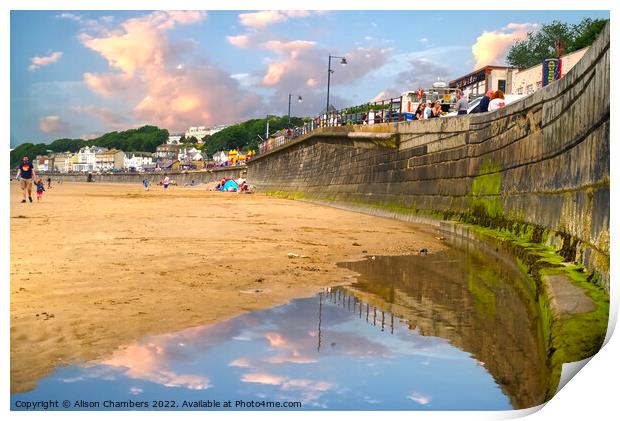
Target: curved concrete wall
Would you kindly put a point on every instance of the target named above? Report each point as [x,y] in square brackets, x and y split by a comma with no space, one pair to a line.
[543,160]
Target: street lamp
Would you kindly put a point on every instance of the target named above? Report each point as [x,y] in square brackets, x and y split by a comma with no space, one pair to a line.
[329,74]
[299,99]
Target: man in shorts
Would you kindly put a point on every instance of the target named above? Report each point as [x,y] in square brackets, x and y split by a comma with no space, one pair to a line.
[25,175]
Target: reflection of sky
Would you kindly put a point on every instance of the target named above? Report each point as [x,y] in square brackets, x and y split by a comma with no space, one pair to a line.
[273,355]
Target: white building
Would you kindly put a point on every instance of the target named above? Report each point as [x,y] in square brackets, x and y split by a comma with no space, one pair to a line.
[174,139]
[527,81]
[202,131]
[190,154]
[138,160]
[87,159]
[62,162]
[41,163]
[220,157]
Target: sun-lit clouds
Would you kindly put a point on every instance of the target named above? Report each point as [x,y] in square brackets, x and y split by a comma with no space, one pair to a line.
[419,398]
[239,41]
[52,124]
[110,84]
[240,362]
[262,378]
[300,66]
[99,25]
[261,19]
[106,115]
[265,18]
[139,42]
[491,47]
[38,62]
[150,362]
[145,72]
[309,390]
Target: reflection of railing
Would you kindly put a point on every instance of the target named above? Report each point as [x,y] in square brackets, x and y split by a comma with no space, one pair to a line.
[384,111]
[372,314]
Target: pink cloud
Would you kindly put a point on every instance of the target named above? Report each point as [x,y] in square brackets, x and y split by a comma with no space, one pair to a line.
[38,62]
[491,47]
[107,115]
[259,20]
[150,362]
[262,378]
[419,398]
[239,41]
[239,362]
[109,84]
[52,124]
[165,83]
[262,18]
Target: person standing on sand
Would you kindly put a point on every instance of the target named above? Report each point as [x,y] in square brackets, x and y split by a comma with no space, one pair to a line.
[145,182]
[49,182]
[166,182]
[40,190]
[25,175]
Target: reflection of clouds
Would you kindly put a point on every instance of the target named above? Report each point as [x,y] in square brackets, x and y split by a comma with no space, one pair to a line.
[419,398]
[148,362]
[309,390]
[262,378]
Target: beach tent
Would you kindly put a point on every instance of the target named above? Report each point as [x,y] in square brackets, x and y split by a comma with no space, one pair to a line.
[230,185]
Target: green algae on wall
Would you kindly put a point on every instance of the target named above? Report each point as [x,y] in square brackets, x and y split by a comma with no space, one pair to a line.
[485,197]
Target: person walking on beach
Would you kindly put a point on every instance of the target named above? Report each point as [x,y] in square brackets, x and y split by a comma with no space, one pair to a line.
[145,183]
[25,175]
[40,190]
[49,182]
[166,181]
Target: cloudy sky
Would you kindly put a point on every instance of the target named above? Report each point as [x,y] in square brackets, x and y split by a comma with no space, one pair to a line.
[80,74]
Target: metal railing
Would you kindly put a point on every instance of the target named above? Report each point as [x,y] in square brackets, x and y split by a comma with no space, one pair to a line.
[384,111]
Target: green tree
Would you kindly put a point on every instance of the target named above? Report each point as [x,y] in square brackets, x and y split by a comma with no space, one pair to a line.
[143,139]
[546,42]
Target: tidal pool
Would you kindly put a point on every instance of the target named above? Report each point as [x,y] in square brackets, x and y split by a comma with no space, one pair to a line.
[448,331]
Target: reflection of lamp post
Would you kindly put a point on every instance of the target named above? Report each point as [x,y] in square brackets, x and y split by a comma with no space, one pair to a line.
[299,99]
[329,74]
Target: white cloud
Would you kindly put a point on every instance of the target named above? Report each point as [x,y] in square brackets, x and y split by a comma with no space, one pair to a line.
[52,124]
[491,47]
[38,62]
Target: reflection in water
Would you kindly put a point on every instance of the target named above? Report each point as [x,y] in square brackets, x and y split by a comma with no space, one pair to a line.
[472,297]
[445,332]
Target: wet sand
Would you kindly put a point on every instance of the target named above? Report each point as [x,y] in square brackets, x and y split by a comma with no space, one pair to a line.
[96,266]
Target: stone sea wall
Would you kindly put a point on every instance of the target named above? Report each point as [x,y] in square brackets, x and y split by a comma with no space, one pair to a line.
[181,177]
[543,161]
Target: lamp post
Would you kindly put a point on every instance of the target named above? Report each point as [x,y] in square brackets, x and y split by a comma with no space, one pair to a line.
[299,99]
[343,61]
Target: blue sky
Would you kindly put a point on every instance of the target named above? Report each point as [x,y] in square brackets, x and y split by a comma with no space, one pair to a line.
[82,73]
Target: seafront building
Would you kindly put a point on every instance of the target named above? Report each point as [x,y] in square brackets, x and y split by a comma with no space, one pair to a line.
[220,157]
[138,161]
[511,80]
[190,154]
[201,131]
[109,160]
[174,139]
[42,163]
[167,151]
[527,81]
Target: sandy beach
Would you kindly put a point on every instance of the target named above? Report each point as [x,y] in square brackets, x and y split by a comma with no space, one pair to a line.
[96,266]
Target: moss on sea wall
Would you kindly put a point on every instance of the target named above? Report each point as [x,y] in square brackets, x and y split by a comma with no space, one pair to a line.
[567,338]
